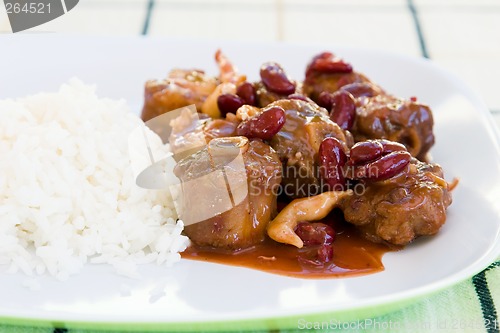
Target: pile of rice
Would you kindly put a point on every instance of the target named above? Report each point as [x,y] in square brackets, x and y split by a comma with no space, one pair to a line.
[67,191]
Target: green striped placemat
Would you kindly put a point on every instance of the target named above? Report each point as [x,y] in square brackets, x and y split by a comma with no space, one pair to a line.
[470,306]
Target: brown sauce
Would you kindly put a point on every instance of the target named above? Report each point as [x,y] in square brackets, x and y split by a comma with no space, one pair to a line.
[352,255]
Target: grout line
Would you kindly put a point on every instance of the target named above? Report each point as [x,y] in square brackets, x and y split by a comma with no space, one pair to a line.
[147,19]
[418,28]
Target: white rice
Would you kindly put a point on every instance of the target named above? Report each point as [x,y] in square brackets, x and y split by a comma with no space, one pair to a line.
[67,191]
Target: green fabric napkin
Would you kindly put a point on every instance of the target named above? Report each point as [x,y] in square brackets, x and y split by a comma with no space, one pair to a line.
[470,306]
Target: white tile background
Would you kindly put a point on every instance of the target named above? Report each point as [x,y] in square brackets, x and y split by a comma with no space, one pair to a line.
[461,35]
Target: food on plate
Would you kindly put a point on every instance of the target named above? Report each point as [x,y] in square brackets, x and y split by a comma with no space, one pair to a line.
[405,121]
[190,86]
[326,74]
[401,208]
[245,224]
[180,88]
[349,160]
[290,226]
[378,114]
[298,144]
[67,189]
[274,84]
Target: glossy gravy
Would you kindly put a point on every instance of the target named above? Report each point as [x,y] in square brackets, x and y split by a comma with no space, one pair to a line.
[352,255]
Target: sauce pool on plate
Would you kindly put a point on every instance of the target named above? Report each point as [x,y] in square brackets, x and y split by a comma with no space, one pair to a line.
[352,255]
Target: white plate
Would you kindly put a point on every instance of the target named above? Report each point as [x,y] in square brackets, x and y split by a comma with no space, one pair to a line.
[211,296]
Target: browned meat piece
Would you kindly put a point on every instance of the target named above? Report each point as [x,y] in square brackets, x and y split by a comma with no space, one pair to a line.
[180,88]
[191,131]
[401,208]
[403,121]
[316,83]
[219,128]
[245,224]
[297,145]
[378,115]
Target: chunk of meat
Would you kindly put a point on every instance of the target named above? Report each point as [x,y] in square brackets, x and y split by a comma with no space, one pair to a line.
[219,128]
[181,88]
[298,142]
[403,121]
[378,114]
[184,87]
[402,208]
[191,131]
[316,83]
[245,224]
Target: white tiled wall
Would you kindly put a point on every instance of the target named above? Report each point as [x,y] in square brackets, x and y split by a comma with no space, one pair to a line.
[461,35]
[390,29]
[239,20]
[468,44]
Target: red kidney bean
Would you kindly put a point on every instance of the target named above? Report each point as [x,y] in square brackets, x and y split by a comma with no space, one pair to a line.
[325,253]
[413,99]
[343,110]
[229,103]
[358,89]
[274,78]
[317,256]
[365,151]
[264,125]
[390,146]
[344,80]
[326,62]
[332,66]
[383,168]
[315,233]
[310,65]
[325,99]
[332,158]
[247,92]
